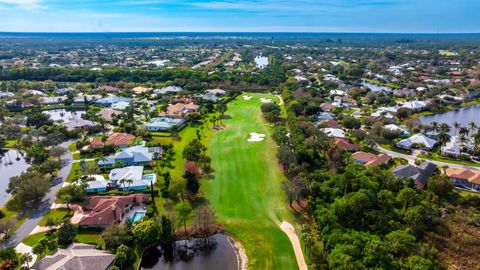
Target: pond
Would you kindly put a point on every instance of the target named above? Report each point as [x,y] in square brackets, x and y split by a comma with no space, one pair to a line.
[261,61]
[62,114]
[376,87]
[463,116]
[12,164]
[213,253]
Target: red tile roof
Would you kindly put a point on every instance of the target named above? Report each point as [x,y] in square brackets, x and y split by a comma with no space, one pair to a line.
[344,144]
[370,159]
[472,176]
[115,138]
[105,211]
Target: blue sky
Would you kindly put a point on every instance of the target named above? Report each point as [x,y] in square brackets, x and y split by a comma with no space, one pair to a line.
[385,16]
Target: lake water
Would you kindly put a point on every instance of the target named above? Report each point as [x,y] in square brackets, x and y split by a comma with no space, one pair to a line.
[463,116]
[10,166]
[62,114]
[376,87]
[215,254]
[261,61]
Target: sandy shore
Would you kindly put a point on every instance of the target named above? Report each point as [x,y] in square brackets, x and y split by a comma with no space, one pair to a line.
[242,258]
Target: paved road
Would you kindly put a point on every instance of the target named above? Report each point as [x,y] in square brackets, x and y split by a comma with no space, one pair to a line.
[42,209]
[411,159]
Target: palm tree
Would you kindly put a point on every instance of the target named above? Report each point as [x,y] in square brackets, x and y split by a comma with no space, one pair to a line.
[25,259]
[435,127]
[463,139]
[473,127]
[445,128]
[444,137]
[456,125]
[464,131]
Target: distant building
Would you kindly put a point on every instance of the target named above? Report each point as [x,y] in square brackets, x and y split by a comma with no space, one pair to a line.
[108,114]
[168,89]
[4,95]
[106,88]
[111,100]
[64,91]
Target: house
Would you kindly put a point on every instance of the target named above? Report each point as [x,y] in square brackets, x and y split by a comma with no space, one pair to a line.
[132,173]
[140,90]
[417,139]
[116,138]
[120,105]
[82,98]
[76,257]
[330,124]
[105,211]
[165,124]
[168,89]
[64,91]
[324,116]
[135,155]
[402,130]
[111,100]
[181,108]
[218,92]
[464,178]
[79,123]
[452,148]
[346,145]
[327,107]
[99,184]
[108,114]
[419,174]
[415,105]
[210,97]
[344,101]
[4,95]
[106,88]
[333,132]
[52,100]
[403,92]
[369,159]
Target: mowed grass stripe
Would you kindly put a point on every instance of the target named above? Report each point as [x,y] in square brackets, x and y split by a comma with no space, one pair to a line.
[246,192]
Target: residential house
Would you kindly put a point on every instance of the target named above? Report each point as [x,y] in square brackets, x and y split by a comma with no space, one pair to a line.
[52,100]
[132,173]
[452,148]
[181,109]
[105,211]
[402,130]
[165,124]
[344,102]
[168,89]
[4,95]
[417,139]
[135,155]
[117,138]
[369,159]
[419,174]
[414,105]
[346,145]
[140,90]
[327,107]
[218,92]
[111,100]
[64,91]
[109,114]
[79,123]
[76,257]
[334,132]
[324,116]
[107,88]
[464,178]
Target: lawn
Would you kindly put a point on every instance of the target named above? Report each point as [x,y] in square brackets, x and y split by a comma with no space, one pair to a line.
[55,214]
[246,192]
[437,157]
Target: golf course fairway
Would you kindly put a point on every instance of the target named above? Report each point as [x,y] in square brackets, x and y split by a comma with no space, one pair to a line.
[246,191]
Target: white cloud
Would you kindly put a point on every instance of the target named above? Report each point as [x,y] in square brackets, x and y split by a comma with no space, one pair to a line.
[23,4]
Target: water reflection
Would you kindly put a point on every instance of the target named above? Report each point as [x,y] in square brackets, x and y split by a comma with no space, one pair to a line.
[212,253]
[463,116]
[12,163]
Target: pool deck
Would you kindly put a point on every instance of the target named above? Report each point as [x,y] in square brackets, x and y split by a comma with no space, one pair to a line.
[129,215]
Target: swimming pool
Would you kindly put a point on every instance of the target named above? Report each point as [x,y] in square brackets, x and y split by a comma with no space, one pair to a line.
[137,216]
[150,178]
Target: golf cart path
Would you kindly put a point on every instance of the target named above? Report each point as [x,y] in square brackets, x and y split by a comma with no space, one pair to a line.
[288,229]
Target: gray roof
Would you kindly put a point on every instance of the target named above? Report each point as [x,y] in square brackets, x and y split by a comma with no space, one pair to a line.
[419,174]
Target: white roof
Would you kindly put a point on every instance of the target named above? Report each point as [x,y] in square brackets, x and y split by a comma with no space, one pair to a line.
[334,132]
[418,139]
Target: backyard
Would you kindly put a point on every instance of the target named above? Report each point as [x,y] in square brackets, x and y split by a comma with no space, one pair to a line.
[246,192]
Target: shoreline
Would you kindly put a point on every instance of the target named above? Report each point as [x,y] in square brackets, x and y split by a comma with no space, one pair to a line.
[240,252]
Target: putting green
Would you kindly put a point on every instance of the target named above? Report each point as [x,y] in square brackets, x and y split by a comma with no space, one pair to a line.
[246,192]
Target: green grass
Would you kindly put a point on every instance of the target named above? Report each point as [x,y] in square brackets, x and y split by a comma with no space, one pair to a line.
[394,149]
[89,237]
[437,157]
[56,214]
[33,239]
[246,190]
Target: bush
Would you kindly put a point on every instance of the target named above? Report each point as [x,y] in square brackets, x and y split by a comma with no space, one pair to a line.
[150,211]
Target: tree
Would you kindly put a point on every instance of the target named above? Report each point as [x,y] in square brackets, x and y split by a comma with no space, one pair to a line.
[72,194]
[66,234]
[116,236]
[125,256]
[8,254]
[120,258]
[38,249]
[400,243]
[146,232]
[24,259]
[38,153]
[37,119]
[29,186]
[6,225]
[440,185]
[192,182]
[184,213]
[57,152]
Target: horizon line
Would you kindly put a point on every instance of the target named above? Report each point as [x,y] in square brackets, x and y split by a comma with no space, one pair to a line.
[236,32]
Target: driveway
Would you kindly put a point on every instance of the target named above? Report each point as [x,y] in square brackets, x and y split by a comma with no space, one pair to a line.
[43,207]
[411,158]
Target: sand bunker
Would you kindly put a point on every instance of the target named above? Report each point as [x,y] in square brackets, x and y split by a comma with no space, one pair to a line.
[256,137]
[247,97]
[265,100]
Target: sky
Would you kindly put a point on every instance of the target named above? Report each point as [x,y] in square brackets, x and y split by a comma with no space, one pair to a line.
[372,16]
